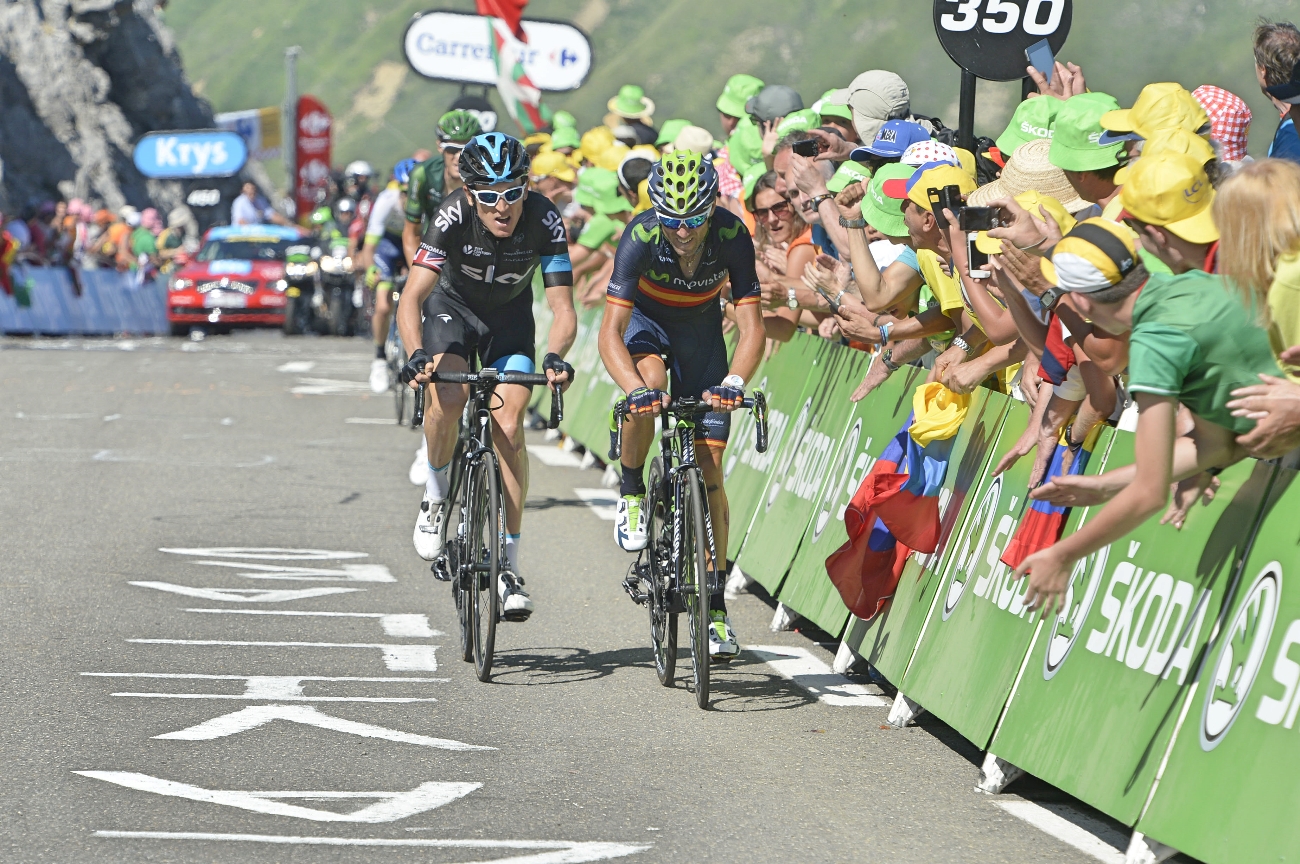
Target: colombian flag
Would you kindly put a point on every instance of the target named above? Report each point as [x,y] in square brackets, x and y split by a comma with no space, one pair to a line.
[1043,522]
[896,509]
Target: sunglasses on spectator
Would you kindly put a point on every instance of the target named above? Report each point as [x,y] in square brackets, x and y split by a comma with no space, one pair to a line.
[780,209]
[691,222]
[490,197]
[451,148]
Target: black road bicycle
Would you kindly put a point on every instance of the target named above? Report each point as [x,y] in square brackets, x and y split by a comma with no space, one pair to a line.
[473,559]
[675,573]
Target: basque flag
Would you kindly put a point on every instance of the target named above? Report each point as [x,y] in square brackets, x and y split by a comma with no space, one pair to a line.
[1044,523]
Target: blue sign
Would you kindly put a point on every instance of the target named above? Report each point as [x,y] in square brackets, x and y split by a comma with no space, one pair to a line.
[187,155]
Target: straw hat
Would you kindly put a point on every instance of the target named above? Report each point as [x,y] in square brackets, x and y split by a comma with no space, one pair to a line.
[1029,169]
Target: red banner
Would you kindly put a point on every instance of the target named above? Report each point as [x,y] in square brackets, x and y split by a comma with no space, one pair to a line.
[314,130]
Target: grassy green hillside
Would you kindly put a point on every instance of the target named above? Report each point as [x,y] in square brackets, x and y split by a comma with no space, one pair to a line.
[683,50]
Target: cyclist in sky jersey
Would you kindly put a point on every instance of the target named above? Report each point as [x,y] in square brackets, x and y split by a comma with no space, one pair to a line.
[470,292]
[664,312]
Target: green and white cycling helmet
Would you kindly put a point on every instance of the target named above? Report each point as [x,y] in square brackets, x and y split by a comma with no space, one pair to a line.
[458,125]
[683,184]
[321,215]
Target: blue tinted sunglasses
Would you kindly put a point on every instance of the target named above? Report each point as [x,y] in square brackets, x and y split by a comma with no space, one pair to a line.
[490,197]
[691,222]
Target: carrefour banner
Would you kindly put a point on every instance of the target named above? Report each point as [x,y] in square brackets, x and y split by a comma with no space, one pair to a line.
[455,46]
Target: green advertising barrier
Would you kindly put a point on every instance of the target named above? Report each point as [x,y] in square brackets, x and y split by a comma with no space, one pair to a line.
[863,436]
[797,471]
[543,318]
[585,400]
[783,377]
[889,639]
[1234,770]
[1096,706]
[978,632]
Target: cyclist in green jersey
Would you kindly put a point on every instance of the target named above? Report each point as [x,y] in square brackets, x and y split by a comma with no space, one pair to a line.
[437,177]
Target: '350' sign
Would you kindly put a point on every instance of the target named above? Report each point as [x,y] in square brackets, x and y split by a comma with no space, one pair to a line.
[989,37]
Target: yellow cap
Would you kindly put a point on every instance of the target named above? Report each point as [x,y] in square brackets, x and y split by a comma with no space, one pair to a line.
[1159,106]
[612,156]
[1096,254]
[595,141]
[967,160]
[539,138]
[552,164]
[937,178]
[1038,205]
[1177,141]
[1171,189]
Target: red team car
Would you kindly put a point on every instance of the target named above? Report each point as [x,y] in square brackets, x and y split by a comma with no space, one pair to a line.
[236,280]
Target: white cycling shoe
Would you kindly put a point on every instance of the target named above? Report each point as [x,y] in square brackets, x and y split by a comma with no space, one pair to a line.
[723,645]
[428,534]
[516,605]
[629,523]
[419,473]
[378,375]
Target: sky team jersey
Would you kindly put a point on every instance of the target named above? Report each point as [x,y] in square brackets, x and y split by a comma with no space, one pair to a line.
[485,271]
[647,274]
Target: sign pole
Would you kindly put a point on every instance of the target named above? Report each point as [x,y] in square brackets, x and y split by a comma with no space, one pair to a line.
[289,119]
[966,117]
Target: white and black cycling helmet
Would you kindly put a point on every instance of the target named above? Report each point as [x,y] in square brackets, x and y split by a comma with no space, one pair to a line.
[493,157]
[359,168]
[683,184]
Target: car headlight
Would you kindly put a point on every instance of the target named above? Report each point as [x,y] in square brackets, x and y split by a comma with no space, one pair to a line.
[279,285]
[182,284]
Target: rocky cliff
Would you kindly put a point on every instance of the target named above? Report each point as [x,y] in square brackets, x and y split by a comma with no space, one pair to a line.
[80,81]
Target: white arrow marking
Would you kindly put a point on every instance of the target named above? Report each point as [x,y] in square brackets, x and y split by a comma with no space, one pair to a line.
[391,806]
[398,658]
[411,626]
[281,688]
[245,595]
[349,573]
[564,852]
[299,366]
[266,553]
[800,666]
[259,715]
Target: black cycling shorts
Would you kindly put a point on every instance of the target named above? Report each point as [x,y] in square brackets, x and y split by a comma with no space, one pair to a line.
[694,352]
[450,327]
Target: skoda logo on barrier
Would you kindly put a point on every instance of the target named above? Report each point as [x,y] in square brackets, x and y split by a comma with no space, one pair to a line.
[801,424]
[967,559]
[840,475]
[1244,642]
[1085,579]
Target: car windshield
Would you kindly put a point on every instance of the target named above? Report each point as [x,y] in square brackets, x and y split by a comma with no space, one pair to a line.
[245,249]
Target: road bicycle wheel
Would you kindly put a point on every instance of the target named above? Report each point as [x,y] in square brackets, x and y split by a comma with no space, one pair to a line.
[659,527]
[484,542]
[694,580]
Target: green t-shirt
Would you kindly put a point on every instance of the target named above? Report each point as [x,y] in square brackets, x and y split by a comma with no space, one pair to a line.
[424,189]
[601,229]
[143,243]
[1193,339]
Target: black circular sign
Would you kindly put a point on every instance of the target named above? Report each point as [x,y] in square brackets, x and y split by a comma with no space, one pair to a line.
[988,37]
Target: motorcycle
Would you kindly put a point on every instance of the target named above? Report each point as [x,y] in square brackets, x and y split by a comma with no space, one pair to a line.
[302,272]
[343,296]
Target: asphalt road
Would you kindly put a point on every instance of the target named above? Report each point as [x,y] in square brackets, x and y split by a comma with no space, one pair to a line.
[138,479]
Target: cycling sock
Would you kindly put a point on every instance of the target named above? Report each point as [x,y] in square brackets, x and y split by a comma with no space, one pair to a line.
[379,352]
[633,482]
[512,553]
[439,482]
[718,601]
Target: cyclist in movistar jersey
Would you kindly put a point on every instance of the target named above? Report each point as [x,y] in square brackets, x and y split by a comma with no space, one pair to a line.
[437,177]
[472,280]
[383,251]
[663,311]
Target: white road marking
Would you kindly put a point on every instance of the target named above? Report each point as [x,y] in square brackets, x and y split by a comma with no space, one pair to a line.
[371,421]
[255,716]
[300,367]
[265,460]
[410,626]
[349,573]
[1090,836]
[603,502]
[244,595]
[565,852]
[554,456]
[800,666]
[265,553]
[398,658]
[390,807]
[281,688]
[329,387]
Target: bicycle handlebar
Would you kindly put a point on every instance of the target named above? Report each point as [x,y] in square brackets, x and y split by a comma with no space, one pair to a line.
[493,377]
[690,407]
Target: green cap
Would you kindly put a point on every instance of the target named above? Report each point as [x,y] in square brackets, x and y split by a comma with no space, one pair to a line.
[565,136]
[668,131]
[1077,132]
[848,173]
[883,213]
[745,146]
[826,108]
[598,231]
[563,118]
[598,189]
[1034,118]
[750,178]
[799,121]
[738,91]
[631,102]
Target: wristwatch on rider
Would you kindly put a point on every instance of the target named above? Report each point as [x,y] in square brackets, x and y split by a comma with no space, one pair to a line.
[1049,297]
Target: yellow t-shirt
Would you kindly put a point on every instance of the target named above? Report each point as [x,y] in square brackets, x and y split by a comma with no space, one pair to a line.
[943,288]
[1284,309]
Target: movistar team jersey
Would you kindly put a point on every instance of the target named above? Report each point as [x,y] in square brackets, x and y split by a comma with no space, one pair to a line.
[485,271]
[424,189]
[648,275]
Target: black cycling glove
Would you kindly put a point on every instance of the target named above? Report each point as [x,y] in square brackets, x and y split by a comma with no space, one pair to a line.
[552,362]
[414,366]
[643,400]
